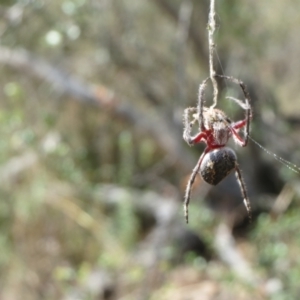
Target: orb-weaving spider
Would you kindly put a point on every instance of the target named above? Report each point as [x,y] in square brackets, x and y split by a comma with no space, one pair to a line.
[215,129]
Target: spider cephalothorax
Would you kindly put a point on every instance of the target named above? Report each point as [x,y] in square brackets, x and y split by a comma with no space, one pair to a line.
[215,129]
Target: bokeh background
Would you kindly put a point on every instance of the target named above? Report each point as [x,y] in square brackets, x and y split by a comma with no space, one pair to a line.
[92,162]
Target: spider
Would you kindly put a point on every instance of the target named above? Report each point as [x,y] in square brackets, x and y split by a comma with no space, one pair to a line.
[215,129]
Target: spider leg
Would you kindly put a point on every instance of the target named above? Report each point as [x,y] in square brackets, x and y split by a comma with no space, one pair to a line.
[242,142]
[199,137]
[236,126]
[239,124]
[246,106]
[242,185]
[200,104]
[239,102]
[188,124]
[242,123]
[191,181]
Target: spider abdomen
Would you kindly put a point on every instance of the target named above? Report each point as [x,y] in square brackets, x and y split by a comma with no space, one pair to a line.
[217,164]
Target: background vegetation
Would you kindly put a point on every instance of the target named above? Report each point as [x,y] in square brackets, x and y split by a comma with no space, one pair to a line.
[92,162]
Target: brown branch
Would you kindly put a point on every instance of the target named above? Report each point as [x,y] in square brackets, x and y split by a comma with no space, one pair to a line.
[14,167]
[229,253]
[146,121]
